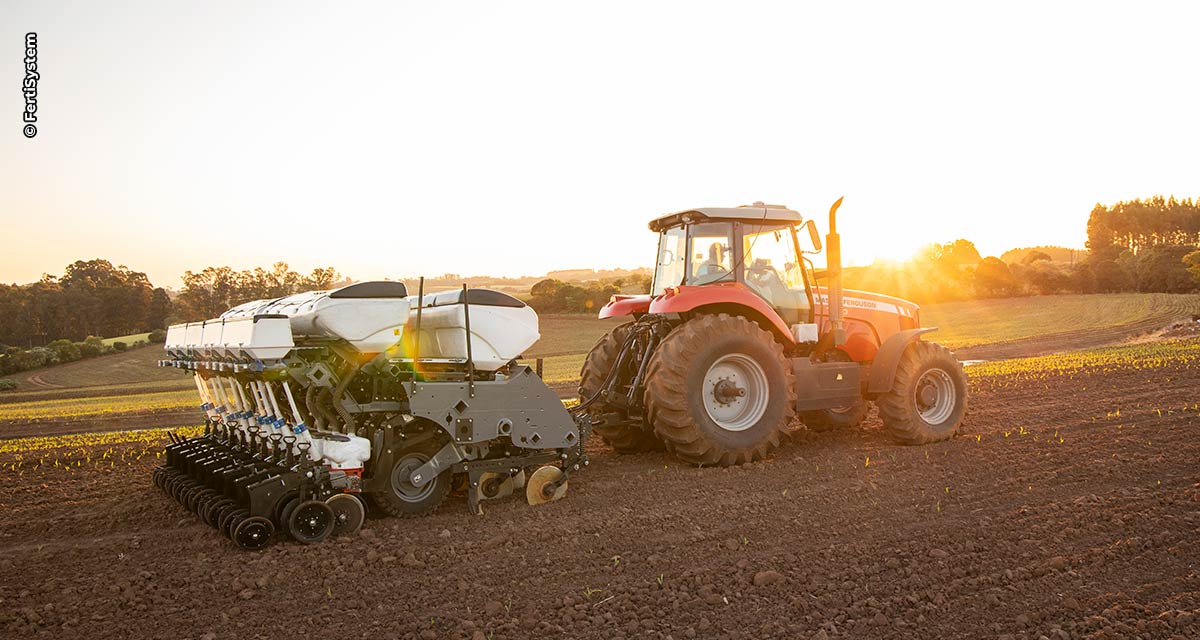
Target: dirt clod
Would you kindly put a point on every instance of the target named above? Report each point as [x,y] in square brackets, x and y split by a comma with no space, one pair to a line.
[767,578]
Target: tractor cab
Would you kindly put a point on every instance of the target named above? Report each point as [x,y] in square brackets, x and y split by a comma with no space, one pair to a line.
[755,246]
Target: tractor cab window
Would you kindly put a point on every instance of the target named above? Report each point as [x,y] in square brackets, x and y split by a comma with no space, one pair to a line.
[672,256]
[772,270]
[711,252]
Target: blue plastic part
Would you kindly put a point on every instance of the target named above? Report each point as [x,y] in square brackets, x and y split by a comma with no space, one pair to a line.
[299,429]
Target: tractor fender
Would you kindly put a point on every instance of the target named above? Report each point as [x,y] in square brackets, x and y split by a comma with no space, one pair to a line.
[625,306]
[733,298]
[883,369]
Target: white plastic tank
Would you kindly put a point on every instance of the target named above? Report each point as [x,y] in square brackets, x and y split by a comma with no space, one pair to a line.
[368,315]
[502,327]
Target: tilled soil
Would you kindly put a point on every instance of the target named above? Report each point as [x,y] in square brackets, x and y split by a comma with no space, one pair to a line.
[1053,515]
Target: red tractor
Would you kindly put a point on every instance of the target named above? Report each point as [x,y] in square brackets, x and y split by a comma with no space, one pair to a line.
[736,338]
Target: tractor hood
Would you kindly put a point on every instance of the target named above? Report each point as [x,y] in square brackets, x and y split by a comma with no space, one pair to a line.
[868,301]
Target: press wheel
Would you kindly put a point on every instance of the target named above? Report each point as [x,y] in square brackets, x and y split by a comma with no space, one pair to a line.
[253,533]
[311,521]
[348,513]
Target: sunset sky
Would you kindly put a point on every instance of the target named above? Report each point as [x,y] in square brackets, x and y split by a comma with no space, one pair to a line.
[512,138]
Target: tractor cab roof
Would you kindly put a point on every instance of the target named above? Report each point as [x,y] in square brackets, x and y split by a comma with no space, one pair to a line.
[757,213]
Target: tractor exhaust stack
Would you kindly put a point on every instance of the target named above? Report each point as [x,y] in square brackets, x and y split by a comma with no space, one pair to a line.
[833,258]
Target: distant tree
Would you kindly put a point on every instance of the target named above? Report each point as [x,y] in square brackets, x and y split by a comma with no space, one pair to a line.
[1162,269]
[319,279]
[555,296]
[993,279]
[1107,276]
[158,310]
[1035,256]
[546,289]
[215,290]
[65,350]
[91,347]
[1043,277]
[959,253]
[1192,262]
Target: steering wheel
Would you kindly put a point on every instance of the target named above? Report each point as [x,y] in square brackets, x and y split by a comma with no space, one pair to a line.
[762,271]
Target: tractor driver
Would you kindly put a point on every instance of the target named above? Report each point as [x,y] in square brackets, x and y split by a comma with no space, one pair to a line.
[714,268]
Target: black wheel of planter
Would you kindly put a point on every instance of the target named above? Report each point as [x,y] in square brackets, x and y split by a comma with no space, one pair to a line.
[277,515]
[627,437]
[171,486]
[218,512]
[285,512]
[192,495]
[227,519]
[403,498]
[203,504]
[719,391]
[928,398]
[195,498]
[311,522]
[213,513]
[181,490]
[165,475]
[235,519]
[253,533]
[348,513]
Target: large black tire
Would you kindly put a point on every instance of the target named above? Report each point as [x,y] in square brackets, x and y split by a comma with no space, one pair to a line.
[831,419]
[685,380]
[626,437]
[928,398]
[400,497]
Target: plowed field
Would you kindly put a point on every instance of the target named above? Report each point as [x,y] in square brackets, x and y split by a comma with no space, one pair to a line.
[1069,507]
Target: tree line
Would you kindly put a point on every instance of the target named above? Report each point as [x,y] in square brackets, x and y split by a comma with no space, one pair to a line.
[1145,245]
[91,298]
[552,295]
[95,298]
[215,290]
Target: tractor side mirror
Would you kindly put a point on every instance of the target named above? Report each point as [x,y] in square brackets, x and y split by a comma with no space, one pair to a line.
[813,236]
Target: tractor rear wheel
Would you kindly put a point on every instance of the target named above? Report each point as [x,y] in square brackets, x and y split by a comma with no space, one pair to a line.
[632,436]
[928,398]
[719,391]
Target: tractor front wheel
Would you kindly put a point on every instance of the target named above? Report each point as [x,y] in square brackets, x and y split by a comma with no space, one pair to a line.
[928,398]
[719,391]
[631,436]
